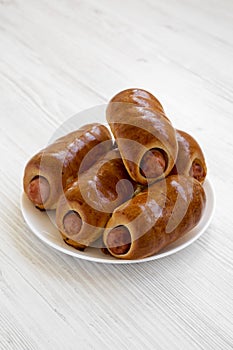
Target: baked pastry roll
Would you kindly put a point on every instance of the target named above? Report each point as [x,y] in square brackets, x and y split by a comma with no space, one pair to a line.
[155,218]
[87,204]
[145,137]
[190,159]
[53,168]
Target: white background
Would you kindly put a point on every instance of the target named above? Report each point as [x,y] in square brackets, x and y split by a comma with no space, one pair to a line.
[58,57]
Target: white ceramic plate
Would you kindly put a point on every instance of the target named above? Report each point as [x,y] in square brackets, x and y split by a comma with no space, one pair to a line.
[43,227]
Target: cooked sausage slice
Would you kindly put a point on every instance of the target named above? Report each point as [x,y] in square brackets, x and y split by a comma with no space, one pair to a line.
[190,159]
[197,171]
[119,240]
[38,190]
[153,163]
[72,223]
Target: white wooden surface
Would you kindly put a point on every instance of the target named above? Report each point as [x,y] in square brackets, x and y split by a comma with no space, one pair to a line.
[59,57]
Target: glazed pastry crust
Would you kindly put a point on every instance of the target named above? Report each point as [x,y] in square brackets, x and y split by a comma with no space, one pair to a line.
[94,196]
[139,127]
[60,162]
[141,98]
[159,216]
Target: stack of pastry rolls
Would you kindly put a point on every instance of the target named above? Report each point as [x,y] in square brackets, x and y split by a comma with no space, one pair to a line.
[139,196]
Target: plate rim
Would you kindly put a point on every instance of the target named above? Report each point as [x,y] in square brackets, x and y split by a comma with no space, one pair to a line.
[211,204]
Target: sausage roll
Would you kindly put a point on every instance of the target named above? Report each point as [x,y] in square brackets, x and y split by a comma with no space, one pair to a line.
[155,217]
[87,204]
[53,168]
[145,137]
[190,159]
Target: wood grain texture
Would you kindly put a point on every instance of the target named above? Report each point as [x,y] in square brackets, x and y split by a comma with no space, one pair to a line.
[58,58]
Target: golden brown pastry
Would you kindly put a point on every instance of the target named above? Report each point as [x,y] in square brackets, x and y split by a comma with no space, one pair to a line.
[53,168]
[190,159]
[139,97]
[145,137]
[87,204]
[155,218]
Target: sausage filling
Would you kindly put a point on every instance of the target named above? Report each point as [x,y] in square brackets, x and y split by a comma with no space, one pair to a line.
[197,171]
[72,223]
[38,190]
[153,163]
[119,240]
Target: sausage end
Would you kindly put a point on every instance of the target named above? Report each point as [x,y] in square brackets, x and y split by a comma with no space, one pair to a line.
[119,240]
[38,190]
[72,223]
[153,163]
[197,171]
